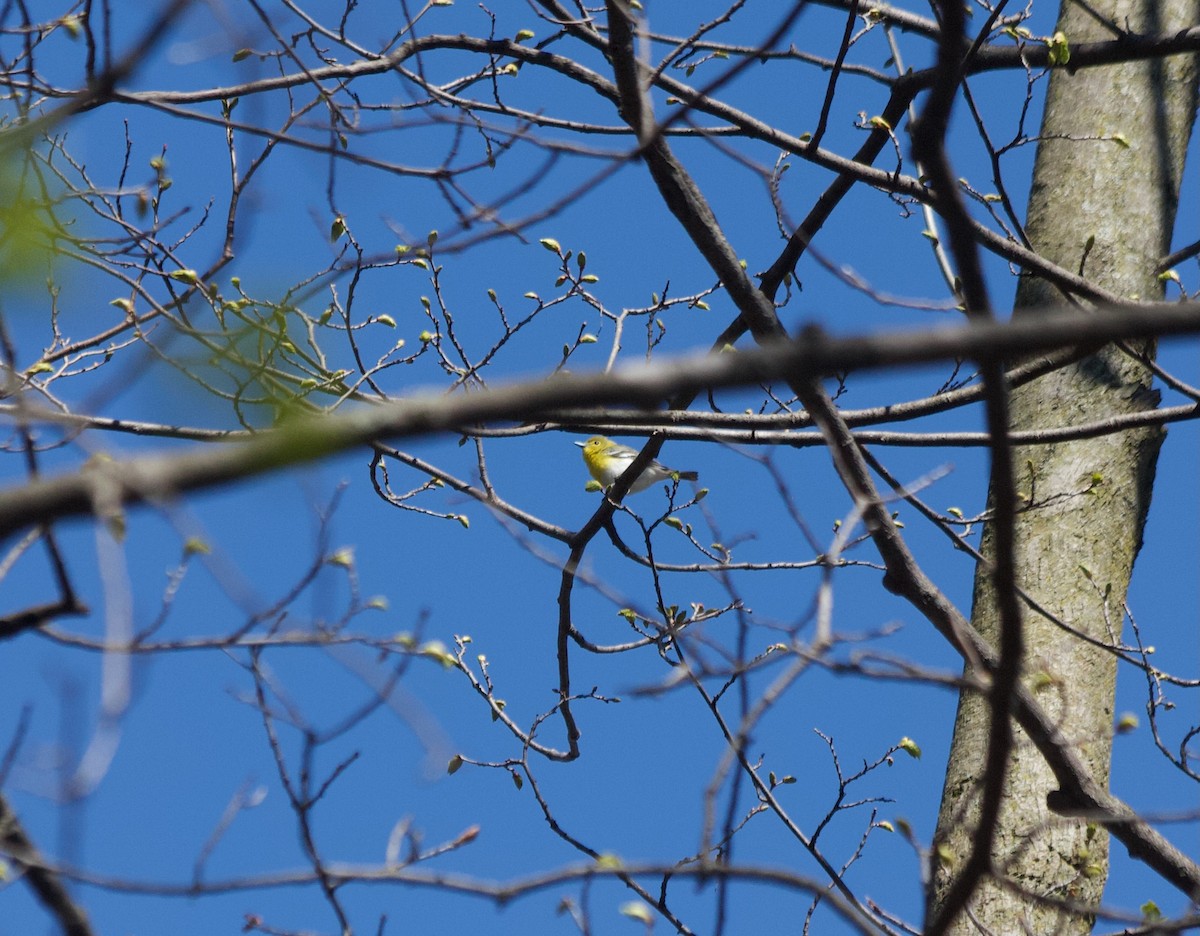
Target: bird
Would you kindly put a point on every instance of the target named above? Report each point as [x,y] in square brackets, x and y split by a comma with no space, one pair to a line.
[607,461]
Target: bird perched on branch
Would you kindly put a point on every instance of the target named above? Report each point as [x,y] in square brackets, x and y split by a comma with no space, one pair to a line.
[607,461]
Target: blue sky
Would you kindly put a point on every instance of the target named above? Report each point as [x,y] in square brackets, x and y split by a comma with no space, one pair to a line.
[192,738]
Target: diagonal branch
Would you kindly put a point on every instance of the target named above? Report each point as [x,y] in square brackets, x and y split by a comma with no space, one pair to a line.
[904,576]
[929,149]
[45,882]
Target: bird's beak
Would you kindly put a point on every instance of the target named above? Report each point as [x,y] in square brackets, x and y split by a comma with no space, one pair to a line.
[581,444]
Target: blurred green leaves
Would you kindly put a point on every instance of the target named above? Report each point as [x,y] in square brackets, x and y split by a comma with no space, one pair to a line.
[262,355]
[30,228]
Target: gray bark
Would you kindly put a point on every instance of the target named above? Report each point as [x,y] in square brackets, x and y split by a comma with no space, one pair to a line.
[1086,500]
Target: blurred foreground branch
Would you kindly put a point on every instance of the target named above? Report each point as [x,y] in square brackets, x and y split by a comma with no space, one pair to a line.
[103,487]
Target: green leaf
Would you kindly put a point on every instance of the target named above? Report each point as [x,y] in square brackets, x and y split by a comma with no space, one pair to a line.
[195,546]
[337,229]
[386,320]
[1060,49]
[525,34]
[191,277]
[242,54]
[636,910]
[464,520]
[436,650]
[455,763]
[910,747]
[609,861]
[1041,680]
[551,244]
[344,557]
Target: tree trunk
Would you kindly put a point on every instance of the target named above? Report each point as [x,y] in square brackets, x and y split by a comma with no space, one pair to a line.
[1076,542]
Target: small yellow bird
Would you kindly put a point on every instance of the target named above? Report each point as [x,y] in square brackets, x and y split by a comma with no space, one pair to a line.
[607,461]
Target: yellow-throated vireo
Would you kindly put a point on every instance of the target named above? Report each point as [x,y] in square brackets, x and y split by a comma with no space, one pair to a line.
[607,461]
